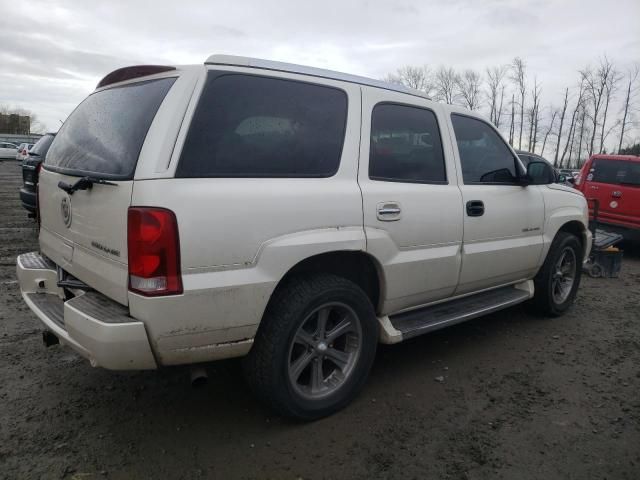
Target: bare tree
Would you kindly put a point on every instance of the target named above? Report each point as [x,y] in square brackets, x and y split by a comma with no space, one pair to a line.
[468,88]
[596,84]
[564,111]
[446,80]
[498,113]
[570,136]
[609,89]
[572,144]
[418,78]
[533,116]
[518,76]
[582,127]
[512,130]
[554,114]
[495,84]
[631,89]
[579,104]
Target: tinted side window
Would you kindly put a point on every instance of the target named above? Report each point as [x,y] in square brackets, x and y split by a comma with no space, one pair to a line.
[405,145]
[484,156]
[616,172]
[104,135]
[251,126]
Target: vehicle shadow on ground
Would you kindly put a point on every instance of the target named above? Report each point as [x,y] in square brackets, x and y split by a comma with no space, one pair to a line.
[167,395]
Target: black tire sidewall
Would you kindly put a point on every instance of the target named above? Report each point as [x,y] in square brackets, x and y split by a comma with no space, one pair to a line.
[342,291]
[561,242]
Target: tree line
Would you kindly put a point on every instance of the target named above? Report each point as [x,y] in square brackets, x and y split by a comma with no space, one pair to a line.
[600,108]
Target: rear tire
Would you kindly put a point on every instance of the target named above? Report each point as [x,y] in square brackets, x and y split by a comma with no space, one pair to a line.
[314,348]
[557,282]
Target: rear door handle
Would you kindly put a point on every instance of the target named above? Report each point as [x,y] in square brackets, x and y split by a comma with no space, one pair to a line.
[475,208]
[388,211]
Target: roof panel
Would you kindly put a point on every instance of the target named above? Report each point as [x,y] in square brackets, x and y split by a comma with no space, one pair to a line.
[249,62]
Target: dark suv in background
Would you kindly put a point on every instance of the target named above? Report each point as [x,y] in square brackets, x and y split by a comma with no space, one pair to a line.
[31,171]
[557,175]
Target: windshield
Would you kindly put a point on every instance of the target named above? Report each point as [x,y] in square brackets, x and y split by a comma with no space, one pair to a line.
[104,135]
[616,172]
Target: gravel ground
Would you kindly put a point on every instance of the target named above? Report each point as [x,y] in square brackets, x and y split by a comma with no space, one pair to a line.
[509,396]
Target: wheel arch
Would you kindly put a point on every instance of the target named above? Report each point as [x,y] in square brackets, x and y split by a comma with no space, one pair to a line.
[355,265]
[576,228]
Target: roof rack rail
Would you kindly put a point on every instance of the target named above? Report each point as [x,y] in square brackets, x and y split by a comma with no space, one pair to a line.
[249,62]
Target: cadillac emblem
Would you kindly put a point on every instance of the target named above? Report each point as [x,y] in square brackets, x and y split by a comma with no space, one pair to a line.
[65,210]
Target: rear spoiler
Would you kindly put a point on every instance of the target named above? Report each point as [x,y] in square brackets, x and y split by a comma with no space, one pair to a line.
[128,73]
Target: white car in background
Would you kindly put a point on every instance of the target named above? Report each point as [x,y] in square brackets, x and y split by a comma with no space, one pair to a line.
[8,150]
[23,151]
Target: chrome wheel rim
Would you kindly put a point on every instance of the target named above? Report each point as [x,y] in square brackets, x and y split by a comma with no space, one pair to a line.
[324,351]
[563,277]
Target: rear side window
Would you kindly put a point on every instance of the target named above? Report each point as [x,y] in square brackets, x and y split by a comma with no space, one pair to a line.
[484,156]
[104,135]
[405,145]
[252,126]
[616,172]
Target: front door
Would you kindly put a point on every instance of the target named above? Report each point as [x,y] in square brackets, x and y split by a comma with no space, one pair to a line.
[503,220]
[412,204]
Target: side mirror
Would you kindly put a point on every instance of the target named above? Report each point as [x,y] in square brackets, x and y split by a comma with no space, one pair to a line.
[571,179]
[540,173]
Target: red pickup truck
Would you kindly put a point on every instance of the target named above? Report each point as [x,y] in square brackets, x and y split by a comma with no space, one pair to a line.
[614,180]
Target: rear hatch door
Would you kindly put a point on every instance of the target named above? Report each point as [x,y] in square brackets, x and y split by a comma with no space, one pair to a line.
[85,230]
[616,184]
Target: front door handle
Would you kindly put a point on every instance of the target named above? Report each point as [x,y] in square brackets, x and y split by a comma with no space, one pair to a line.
[475,208]
[388,211]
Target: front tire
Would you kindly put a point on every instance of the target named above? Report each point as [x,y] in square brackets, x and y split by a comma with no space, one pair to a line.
[557,282]
[314,348]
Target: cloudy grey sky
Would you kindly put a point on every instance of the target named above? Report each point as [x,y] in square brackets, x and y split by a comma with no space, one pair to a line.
[52,53]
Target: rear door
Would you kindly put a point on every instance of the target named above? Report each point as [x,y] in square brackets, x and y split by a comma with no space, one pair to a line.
[85,231]
[616,184]
[411,201]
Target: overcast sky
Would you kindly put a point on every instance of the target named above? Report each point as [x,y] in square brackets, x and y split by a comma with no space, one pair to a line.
[52,53]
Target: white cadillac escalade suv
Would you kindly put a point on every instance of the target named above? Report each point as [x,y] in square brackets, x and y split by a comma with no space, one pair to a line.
[290,215]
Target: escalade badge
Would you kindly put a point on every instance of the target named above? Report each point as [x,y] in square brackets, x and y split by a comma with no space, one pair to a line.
[65,209]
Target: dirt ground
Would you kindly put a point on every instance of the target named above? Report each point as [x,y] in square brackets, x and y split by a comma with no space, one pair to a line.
[522,397]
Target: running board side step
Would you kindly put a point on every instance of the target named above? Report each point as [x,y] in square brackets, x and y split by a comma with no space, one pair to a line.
[434,317]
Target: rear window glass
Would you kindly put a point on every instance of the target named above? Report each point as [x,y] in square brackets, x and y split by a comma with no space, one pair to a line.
[252,126]
[616,172]
[104,135]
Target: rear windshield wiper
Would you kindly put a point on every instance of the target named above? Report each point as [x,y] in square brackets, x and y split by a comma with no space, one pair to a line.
[34,154]
[85,183]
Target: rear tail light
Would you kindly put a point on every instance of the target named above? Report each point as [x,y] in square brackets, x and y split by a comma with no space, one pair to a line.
[154,251]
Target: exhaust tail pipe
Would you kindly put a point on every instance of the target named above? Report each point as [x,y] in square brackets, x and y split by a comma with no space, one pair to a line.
[199,377]
[49,338]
